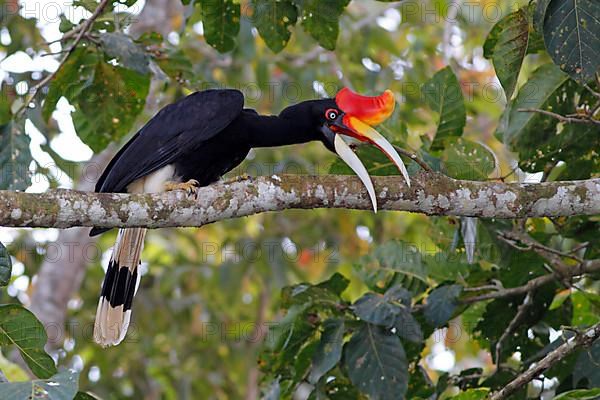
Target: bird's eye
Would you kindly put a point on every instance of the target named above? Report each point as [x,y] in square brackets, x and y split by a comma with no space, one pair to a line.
[331,114]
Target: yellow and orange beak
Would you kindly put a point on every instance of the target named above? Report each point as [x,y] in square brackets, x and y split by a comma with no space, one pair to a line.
[360,114]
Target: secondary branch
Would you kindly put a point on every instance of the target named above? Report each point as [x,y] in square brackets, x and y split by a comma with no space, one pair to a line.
[430,193]
[582,339]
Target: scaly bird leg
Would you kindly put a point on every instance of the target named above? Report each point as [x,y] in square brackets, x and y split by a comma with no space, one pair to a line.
[191,186]
[236,179]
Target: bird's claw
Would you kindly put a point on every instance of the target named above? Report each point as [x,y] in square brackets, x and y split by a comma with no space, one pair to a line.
[236,179]
[191,186]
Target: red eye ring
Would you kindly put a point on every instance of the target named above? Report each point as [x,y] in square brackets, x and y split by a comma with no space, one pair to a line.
[332,114]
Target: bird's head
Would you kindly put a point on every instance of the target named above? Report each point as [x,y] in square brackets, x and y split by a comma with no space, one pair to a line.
[349,119]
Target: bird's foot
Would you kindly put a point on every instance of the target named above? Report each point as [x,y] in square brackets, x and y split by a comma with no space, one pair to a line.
[191,186]
[236,179]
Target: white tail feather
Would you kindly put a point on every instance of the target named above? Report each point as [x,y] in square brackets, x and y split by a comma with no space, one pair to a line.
[120,284]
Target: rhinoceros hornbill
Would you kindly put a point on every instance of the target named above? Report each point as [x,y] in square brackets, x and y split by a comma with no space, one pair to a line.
[198,139]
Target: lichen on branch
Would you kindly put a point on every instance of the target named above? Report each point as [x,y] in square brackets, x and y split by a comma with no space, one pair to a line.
[430,193]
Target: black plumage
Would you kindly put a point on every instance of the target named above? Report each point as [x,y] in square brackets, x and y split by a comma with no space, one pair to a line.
[197,140]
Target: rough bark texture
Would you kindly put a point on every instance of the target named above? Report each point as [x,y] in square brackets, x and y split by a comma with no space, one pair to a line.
[430,193]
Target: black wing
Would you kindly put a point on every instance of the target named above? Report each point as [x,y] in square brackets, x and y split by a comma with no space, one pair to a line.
[173,130]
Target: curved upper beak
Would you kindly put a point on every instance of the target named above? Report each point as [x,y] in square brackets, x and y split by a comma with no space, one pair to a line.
[348,127]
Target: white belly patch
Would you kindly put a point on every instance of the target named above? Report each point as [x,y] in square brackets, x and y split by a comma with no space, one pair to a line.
[155,182]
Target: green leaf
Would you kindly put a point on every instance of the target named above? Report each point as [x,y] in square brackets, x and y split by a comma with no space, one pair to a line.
[24,33]
[326,293]
[5,266]
[444,96]
[108,107]
[5,104]
[84,396]
[540,14]
[586,310]
[407,327]
[473,394]
[329,350]
[582,370]
[380,309]
[540,139]
[291,332]
[580,394]
[376,363]
[321,20]
[127,53]
[62,386]
[506,45]
[15,156]
[19,327]
[221,19]
[337,284]
[572,36]
[273,19]
[441,304]
[176,65]
[465,159]
[73,76]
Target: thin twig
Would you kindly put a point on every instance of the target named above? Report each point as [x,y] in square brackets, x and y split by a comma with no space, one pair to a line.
[584,119]
[80,34]
[497,285]
[414,157]
[513,325]
[533,244]
[581,339]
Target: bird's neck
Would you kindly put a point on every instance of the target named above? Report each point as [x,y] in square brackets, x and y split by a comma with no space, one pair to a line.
[271,131]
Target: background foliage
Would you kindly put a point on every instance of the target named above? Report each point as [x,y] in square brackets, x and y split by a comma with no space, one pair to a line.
[323,304]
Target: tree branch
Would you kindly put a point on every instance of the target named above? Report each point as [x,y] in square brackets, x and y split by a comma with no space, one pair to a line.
[581,339]
[567,119]
[81,31]
[430,193]
[588,267]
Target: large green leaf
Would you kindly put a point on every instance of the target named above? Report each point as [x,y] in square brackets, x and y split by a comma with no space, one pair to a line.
[376,363]
[444,96]
[326,293]
[465,159]
[5,266]
[321,20]
[108,107]
[441,304]
[582,370]
[62,386]
[540,139]
[127,53]
[572,36]
[73,76]
[273,19]
[20,328]
[380,309]
[539,14]
[506,45]
[15,156]
[329,350]
[221,19]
